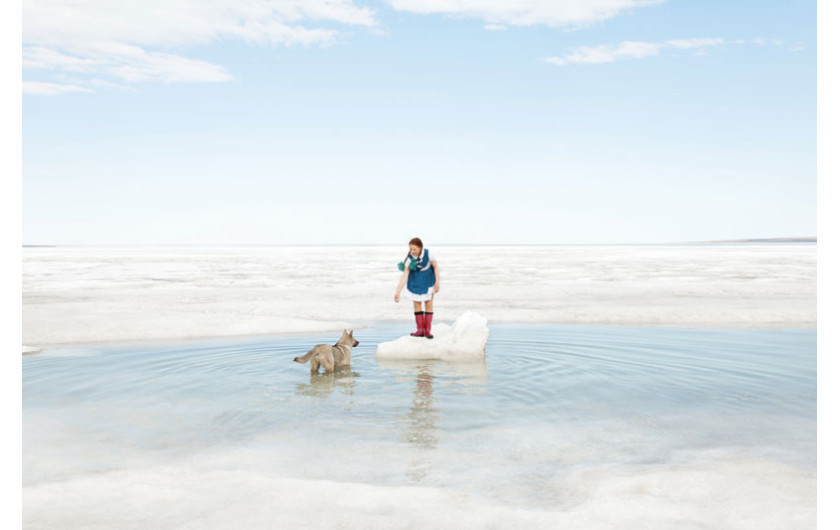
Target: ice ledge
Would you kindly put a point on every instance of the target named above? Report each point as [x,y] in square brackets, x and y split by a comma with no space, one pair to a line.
[464,340]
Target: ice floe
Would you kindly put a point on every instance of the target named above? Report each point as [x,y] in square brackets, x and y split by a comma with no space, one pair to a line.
[465,339]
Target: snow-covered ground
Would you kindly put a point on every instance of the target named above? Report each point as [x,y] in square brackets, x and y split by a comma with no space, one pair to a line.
[86,294]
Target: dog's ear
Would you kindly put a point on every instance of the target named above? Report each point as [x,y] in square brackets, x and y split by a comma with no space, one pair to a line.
[351,332]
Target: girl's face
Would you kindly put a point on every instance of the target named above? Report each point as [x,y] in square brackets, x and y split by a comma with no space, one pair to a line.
[414,250]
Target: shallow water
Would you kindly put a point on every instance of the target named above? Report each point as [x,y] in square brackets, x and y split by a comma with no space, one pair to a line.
[561,424]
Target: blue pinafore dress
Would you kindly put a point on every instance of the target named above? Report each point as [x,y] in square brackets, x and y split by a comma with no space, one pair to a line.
[421,282]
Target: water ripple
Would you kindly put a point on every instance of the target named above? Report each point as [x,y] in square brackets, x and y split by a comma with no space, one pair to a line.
[640,389]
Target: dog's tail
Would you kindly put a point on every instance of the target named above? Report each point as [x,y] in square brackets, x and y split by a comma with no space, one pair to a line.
[305,358]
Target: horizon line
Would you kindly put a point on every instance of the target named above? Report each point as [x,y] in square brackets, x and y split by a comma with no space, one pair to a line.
[773,240]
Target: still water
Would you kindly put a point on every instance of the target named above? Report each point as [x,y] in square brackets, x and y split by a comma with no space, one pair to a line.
[550,423]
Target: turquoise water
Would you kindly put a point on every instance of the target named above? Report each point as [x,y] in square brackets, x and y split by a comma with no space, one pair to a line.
[550,408]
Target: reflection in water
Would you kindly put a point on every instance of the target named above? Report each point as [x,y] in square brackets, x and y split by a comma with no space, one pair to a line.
[421,425]
[422,416]
[581,420]
[322,385]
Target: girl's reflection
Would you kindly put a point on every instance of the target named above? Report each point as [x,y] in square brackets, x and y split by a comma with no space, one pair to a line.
[421,424]
[422,430]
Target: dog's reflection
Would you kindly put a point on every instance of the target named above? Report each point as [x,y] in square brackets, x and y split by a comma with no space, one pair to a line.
[322,385]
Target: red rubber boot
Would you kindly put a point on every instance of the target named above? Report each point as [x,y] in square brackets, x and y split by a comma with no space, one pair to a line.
[427,325]
[421,326]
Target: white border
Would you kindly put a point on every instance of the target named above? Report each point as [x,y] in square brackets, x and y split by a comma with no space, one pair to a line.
[827,262]
[11,118]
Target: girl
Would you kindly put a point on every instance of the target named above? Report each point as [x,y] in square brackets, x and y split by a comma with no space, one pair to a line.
[422,276]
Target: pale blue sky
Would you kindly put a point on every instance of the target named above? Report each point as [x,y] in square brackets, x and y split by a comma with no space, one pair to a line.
[373,122]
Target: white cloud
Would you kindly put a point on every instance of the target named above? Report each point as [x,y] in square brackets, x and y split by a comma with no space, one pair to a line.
[50,89]
[495,27]
[134,41]
[557,13]
[125,62]
[684,44]
[139,65]
[40,58]
[608,53]
[66,23]
[101,83]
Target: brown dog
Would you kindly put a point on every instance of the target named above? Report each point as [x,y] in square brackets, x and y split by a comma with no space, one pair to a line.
[330,357]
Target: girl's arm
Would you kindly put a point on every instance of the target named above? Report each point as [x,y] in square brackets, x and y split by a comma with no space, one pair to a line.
[403,281]
[437,275]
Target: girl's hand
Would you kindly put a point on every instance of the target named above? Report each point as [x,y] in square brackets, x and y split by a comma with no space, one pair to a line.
[397,297]
[437,288]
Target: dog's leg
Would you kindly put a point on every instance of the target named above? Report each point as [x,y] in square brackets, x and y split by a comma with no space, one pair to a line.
[315,364]
[329,364]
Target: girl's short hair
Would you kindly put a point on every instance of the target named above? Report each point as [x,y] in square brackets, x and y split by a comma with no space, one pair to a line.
[416,242]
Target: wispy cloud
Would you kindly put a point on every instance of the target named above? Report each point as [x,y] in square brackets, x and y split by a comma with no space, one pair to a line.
[40,58]
[50,89]
[135,41]
[124,62]
[133,64]
[608,53]
[557,13]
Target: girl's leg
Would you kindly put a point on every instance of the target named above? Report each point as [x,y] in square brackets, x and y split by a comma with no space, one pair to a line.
[427,320]
[419,319]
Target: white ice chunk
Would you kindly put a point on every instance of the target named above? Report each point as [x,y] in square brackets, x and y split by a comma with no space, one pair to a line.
[463,340]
